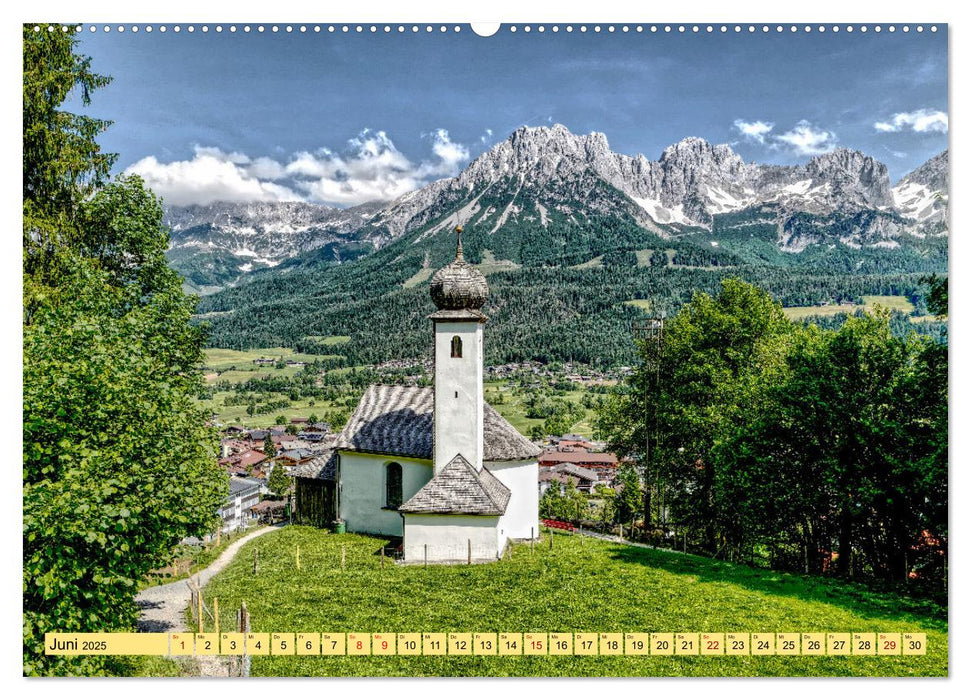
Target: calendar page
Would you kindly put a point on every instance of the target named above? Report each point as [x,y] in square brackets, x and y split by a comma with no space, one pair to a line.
[533,349]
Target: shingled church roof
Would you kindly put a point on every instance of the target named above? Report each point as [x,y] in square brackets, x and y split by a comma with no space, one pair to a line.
[397,420]
[459,489]
[323,466]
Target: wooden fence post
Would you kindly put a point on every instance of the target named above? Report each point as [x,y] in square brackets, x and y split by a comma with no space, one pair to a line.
[382,556]
[201,626]
[218,531]
[298,557]
[470,551]
[256,561]
[242,617]
[549,530]
[426,556]
[343,557]
[215,617]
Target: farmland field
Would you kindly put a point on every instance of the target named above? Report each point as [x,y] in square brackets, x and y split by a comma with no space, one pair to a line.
[221,359]
[513,408]
[870,303]
[581,585]
[236,367]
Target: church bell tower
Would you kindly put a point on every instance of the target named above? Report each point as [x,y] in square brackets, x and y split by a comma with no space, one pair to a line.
[459,291]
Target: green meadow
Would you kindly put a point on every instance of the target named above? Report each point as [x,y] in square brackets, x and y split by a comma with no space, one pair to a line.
[870,304]
[578,585]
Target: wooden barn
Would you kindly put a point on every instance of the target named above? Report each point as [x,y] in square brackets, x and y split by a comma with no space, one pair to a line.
[315,490]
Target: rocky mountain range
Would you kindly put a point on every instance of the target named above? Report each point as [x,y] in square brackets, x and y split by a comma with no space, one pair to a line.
[550,178]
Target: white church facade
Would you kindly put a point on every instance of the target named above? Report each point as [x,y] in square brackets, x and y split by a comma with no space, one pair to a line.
[438,466]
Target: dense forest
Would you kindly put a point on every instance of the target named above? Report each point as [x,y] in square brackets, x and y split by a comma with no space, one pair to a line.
[542,314]
[806,449]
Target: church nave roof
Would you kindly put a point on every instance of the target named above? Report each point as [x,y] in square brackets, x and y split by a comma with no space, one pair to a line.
[397,420]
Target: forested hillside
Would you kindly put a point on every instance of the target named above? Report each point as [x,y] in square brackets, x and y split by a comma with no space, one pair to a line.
[563,312]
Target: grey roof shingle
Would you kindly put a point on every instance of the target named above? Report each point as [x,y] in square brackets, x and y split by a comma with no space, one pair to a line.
[397,420]
[459,490]
[323,466]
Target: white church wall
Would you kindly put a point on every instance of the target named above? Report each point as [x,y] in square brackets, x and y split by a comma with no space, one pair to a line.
[521,519]
[459,413]
[448,537]
[364,491]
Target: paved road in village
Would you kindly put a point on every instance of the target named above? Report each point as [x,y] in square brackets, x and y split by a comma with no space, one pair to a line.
[163,607]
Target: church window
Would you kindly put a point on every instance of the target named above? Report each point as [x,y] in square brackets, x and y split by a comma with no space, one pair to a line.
[456,346]
[393,485]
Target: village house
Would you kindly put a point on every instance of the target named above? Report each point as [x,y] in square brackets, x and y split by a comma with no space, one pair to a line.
[437,465]
[248,462]
[603,463]
[584,479]
[290,458]
[576,442]
[243,495]
[313,436]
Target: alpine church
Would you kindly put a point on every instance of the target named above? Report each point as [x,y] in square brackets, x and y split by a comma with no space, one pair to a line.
[439,466]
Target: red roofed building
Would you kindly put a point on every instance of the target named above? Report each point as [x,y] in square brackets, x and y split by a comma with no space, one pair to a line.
[247,461]
[604,463]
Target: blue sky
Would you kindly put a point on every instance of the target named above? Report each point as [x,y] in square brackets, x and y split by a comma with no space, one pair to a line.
[346,118]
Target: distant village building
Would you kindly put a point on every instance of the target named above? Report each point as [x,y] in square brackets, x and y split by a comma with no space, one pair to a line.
[603,463]
[437,466]
[236,509]
[291,458]
[584,479]
[246,462]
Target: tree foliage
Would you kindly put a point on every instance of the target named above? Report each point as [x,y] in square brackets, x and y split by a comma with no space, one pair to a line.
[792,440]
[280,482]
[564,503]
[629,501]
[118,465]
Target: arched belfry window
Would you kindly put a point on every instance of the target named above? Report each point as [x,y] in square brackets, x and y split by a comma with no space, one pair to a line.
[456,346]
[392,483]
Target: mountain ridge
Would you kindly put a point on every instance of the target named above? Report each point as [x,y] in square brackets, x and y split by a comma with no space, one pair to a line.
[553,177]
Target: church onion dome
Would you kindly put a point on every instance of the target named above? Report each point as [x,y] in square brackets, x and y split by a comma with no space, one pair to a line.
[459,285]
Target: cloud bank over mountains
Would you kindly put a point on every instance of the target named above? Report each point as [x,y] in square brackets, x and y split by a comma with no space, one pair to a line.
[370,168]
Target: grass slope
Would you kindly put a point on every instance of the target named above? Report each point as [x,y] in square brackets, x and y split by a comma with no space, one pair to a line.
[580,585]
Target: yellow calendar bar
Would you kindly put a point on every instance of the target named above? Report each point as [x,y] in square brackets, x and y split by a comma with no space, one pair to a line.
[720,644]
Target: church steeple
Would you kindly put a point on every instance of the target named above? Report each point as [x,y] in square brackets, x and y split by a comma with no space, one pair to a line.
[459,291]
[459,285]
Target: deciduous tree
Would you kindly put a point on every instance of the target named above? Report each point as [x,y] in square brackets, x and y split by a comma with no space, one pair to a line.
[118,464]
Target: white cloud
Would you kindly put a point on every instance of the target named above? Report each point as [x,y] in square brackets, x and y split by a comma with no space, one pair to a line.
[755,131]
[370,168]
[920,120]
[211,176]
[806,140]
[486,137]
